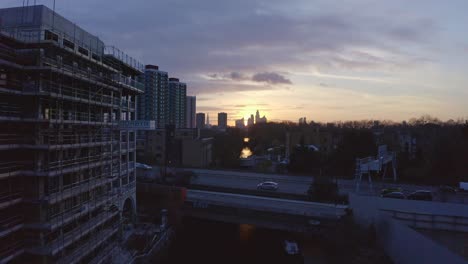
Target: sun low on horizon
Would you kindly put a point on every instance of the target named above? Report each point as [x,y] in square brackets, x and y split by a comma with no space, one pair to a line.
[325,61]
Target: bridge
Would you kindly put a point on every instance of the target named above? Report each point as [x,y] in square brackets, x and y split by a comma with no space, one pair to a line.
[283,214]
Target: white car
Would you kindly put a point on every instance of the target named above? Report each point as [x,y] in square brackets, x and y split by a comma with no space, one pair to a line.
[268,185]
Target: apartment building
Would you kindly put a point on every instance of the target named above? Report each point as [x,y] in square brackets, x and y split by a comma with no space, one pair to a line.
[177,103]
[67,165]
[154,104]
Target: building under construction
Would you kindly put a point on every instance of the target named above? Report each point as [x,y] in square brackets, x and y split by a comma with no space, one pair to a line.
[67,164]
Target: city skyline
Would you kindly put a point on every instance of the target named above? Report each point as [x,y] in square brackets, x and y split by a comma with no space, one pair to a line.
[347,61]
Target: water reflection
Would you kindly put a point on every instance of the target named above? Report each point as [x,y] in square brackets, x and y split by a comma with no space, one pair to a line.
[246,232]
[246,152]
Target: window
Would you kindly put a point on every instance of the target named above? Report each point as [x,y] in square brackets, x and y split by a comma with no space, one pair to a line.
[68,44]
[95,56]
[50,36]
[83,51]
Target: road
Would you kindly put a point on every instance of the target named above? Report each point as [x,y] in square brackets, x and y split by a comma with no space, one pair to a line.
[289,184]
[249,181]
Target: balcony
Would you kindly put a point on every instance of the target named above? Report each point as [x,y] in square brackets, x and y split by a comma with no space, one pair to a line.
[80,231]
[75,93]
[10,198]
[76,162]
[71,214]
[81,251]
[116,54]
[10,168]
[9,140]
[10,250]
[9,111]
[10,225]
[76,188]
[72,139]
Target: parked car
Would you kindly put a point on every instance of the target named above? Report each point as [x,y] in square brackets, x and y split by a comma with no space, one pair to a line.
[422,195]
[447,189]
[268,185]
[390,190]
[395,195]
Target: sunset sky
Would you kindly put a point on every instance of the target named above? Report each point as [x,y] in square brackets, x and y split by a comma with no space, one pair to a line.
[325,60]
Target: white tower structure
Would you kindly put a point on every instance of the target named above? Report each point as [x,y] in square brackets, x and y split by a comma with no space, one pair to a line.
[370,164]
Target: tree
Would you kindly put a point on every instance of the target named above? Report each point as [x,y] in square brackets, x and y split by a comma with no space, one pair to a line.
[323,189]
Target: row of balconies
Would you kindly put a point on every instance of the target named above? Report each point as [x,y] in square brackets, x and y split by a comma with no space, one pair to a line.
[82,230]
[10,250]
[10,224]
[66,216]
[85,248]
[88,73]
[10,168]
[76,92]
[76,189]
[10,197]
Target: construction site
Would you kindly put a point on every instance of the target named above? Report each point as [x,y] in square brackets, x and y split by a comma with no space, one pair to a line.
[67,171]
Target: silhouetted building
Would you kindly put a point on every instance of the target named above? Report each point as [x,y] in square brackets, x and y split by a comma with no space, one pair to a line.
[67,171]
[153,105]
[259,119]
[222,120]
[250,121]
[190,111]
[240,123]
[177,103]
[200,120]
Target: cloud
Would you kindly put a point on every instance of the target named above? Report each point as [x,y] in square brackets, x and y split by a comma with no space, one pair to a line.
[270,78]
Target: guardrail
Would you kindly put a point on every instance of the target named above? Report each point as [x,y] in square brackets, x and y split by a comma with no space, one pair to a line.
[432,221]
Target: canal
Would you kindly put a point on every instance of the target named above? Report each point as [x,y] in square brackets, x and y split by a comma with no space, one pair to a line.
[202,241]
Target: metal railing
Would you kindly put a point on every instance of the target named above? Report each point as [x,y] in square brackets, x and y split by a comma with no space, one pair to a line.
[77,161]
[10,195]
[427,220]
[10,222]
[10,139]
[62,89]
[72,138]
[11,167]
[123,57]
[10,110]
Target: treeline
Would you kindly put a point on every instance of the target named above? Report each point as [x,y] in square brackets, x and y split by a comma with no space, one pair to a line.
[428,150]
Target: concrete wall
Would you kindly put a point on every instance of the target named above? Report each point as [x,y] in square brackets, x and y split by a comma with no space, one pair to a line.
[402,243]
[405,245]
[366,208]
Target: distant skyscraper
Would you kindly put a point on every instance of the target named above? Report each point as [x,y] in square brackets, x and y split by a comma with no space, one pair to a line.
[222,120]
[302,121]
[208,119]
[154,103]
[190,111]
[177,103]
[200,120]
[240,123]
[257,117]
[250,121]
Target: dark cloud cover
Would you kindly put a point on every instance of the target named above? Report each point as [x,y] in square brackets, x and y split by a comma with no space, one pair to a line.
[244,39]
[270,78]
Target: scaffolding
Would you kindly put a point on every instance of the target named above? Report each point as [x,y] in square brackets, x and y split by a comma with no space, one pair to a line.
[65,163]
